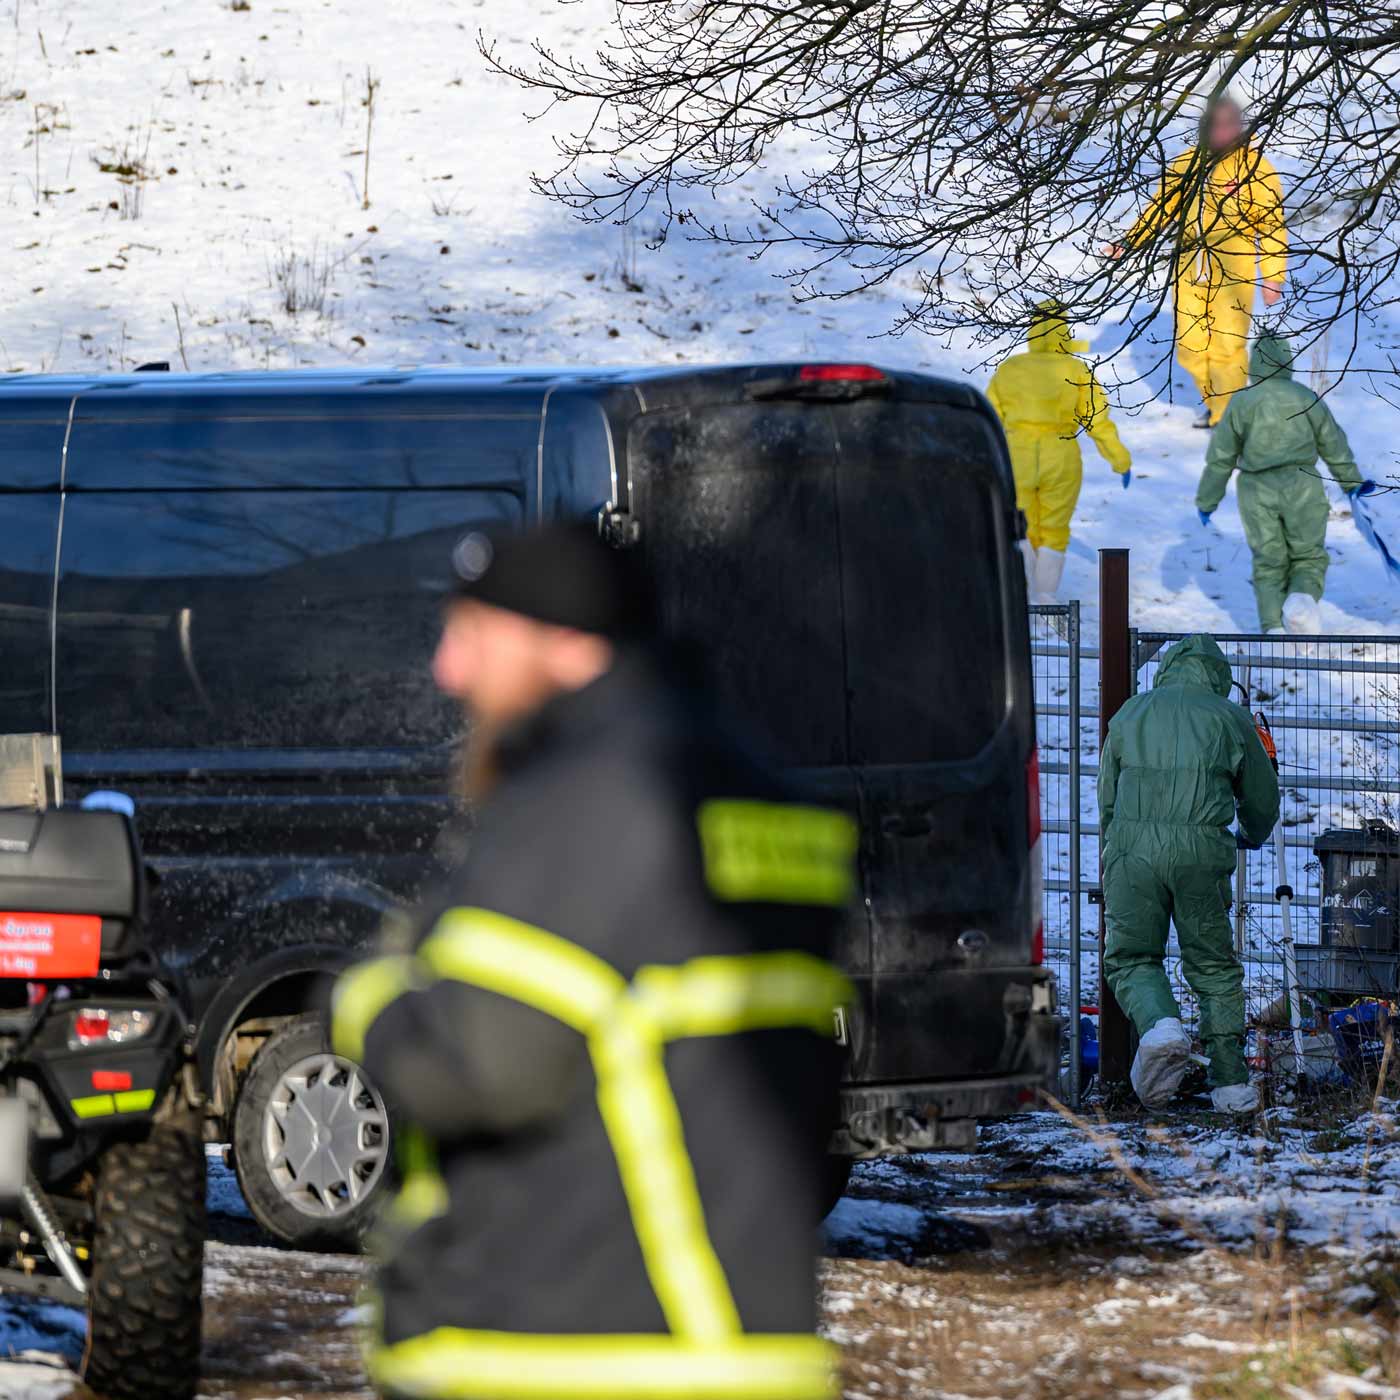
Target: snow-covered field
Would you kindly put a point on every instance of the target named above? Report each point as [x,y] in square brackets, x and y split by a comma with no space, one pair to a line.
[249,126]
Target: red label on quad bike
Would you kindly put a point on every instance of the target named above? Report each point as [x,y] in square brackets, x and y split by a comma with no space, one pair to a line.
[47,946]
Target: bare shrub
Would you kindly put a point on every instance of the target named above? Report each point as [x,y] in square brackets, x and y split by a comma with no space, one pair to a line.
[303,280]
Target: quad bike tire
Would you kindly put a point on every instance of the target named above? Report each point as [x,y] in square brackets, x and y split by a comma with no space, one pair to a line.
[144,1295]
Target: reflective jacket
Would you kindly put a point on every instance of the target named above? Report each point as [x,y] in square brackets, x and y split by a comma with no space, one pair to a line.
[612,1042]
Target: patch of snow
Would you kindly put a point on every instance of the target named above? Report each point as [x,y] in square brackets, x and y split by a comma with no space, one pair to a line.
[1198,1341]
[36,1377]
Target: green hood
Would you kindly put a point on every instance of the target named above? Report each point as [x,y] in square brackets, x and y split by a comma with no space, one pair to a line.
[1196,660]
[1271,358]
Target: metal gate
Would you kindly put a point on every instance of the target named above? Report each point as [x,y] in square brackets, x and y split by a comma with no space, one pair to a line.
[1069,851]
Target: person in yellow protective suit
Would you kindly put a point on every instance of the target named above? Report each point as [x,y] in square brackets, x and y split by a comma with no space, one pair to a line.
[1223,209]
[1044,397]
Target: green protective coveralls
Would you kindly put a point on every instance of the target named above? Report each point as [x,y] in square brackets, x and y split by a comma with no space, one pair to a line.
[1180,759]
[1274,432]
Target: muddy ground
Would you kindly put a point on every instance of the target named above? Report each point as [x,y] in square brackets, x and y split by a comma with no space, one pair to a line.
[1128,1260]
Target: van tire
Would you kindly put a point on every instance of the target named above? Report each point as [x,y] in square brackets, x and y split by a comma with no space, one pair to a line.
[301,1042]
[145,1293]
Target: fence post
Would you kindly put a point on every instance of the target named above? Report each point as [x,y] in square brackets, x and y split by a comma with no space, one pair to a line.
[1116,669]
[1076,886]
[1241,881]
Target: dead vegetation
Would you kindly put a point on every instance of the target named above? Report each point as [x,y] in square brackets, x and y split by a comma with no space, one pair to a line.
[303,281]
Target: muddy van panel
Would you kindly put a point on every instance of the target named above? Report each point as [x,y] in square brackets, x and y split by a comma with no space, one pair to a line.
[850,567]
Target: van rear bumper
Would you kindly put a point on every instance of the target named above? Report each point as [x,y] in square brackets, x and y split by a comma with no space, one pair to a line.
[922,1116]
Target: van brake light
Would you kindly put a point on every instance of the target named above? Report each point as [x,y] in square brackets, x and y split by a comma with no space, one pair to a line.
[827,374]
[822,384]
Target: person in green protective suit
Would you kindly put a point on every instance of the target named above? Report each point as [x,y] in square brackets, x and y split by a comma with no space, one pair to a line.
[1274,432]
[1180,760]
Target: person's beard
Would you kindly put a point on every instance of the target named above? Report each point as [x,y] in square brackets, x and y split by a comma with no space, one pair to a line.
[478,759]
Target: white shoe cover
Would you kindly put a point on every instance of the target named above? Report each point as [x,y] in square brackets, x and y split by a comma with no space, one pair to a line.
[1276,632]
[1049,570]
[1301,615]
[1235,1098]
[1160,1064]
[1028,556]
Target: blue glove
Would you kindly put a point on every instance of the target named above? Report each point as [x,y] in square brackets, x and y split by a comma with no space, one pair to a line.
[1365,489]
[1242,845]
[1127,478]
[1203,516]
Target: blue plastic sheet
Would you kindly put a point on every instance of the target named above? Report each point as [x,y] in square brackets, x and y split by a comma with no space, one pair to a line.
[1361,513]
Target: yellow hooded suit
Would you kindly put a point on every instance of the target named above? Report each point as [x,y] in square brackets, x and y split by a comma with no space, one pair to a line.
[1232,235]
[1044,397]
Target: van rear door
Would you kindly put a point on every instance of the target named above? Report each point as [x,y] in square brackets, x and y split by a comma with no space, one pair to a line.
[844,563]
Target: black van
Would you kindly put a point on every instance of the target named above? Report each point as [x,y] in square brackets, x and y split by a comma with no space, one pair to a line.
[222,592]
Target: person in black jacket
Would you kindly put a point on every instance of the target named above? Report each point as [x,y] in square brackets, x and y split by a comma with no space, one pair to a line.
[609,1043]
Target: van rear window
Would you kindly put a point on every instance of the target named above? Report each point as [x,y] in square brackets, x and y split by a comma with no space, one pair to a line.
[841,565]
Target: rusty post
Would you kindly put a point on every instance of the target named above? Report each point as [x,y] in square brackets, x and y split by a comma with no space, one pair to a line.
[1115,686]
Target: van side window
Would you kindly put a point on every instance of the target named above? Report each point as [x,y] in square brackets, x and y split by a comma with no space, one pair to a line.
[317,445]
[28,533]
[258,619]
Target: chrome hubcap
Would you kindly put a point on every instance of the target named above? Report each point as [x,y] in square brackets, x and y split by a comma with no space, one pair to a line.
[325,1136]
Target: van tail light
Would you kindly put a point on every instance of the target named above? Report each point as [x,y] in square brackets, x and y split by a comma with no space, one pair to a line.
[831,374]
[822,384]
[1037,900]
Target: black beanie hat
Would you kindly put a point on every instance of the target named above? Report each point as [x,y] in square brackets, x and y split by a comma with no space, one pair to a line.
[561,574]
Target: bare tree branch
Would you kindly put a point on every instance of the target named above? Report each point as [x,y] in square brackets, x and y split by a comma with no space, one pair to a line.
[978,156]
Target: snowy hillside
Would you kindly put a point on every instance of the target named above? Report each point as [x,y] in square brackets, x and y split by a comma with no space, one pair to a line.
[209,157]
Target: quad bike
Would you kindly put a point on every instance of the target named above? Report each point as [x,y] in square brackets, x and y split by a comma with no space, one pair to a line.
[101,1158]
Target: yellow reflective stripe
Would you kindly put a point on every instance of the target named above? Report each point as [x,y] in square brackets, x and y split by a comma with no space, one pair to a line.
[626,1028]
[644,1126]
[756,991]
[362,993]
[635,1100]
[94,1106]
[777,852]
[104,1105]
[457,1364]
[423,1195]
[520,961]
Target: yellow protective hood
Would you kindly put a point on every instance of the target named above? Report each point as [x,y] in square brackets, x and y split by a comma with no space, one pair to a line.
[1049,334]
